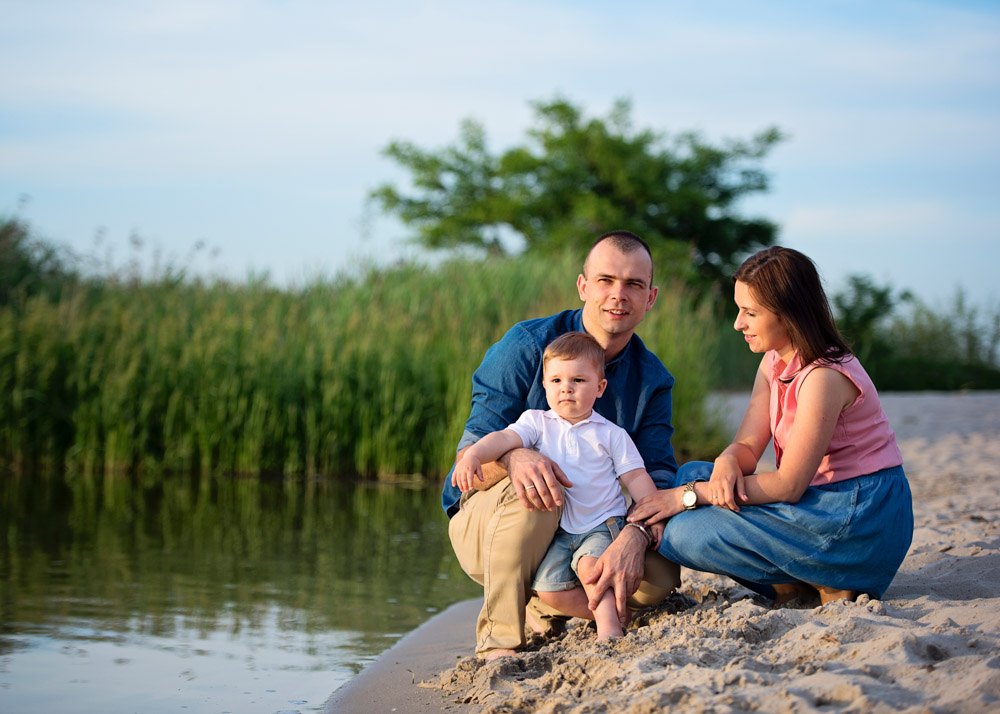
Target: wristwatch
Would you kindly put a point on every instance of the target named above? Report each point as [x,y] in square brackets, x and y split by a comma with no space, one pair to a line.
[690,498]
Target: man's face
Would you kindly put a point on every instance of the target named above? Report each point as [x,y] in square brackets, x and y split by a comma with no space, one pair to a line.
[616,290]
[572,386]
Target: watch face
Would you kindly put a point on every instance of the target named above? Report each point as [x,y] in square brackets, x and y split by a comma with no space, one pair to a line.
[690,498]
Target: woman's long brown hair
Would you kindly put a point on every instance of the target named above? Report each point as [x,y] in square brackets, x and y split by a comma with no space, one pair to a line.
[787,283]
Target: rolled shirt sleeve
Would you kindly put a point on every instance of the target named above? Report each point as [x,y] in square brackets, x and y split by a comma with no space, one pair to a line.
[501,387]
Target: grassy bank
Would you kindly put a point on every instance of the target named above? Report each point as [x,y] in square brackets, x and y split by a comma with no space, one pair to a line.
[367,375]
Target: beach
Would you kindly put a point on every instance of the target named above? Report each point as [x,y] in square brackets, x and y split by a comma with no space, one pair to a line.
[931,644]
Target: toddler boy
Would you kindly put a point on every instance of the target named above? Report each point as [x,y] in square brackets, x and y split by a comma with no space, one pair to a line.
[593,453]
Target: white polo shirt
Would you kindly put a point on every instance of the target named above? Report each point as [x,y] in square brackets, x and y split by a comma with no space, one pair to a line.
[592,453]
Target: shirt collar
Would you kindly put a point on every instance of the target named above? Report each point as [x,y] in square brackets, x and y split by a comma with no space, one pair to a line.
[791,369]
[594,418]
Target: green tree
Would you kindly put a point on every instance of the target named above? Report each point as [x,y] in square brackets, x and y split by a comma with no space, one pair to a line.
[575,178]
[861,313]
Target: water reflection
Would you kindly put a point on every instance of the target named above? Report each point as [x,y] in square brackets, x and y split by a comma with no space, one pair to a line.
[209,595]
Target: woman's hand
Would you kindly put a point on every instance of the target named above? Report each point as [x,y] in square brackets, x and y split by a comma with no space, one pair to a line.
[726,483]
[656,530]
[657,507]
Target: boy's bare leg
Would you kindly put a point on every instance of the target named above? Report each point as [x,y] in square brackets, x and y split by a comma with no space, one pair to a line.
[606,614]
[569,602]
[574,603]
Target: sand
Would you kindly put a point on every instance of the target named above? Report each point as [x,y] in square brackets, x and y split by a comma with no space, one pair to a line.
[931,644]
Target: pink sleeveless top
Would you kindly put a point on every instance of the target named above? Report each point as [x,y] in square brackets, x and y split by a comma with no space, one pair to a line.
[862,441]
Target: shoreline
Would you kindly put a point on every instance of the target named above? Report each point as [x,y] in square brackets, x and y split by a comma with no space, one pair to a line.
[390,683]
[931,644]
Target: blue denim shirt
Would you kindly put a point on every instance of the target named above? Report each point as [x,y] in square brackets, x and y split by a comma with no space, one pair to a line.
[509,380]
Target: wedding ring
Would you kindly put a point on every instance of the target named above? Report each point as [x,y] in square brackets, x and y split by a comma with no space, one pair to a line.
[527,487]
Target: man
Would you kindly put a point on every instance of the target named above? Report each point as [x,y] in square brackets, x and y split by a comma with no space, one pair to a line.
[501,531]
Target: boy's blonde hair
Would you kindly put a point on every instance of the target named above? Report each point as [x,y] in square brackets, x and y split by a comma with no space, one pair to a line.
[572,345]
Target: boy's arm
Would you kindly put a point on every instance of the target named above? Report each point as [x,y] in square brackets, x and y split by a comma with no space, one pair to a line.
[469,465]
[493,471]
[500,388]
[494,445]
[639,485]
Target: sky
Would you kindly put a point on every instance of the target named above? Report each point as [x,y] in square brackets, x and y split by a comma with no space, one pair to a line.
[241,137]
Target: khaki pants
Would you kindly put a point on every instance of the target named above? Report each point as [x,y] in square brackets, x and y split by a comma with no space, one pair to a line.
[500,544]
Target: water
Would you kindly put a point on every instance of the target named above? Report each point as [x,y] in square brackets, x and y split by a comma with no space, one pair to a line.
[209,596]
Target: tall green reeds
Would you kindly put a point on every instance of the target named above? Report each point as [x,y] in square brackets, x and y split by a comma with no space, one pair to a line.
[364,375]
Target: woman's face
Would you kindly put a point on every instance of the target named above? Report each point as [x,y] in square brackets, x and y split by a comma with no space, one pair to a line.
[761,328]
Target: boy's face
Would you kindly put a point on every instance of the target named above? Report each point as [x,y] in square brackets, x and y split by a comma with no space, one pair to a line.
[572,386]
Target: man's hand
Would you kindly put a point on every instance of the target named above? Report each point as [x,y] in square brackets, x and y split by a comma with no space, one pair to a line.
[537,480]
[620,567]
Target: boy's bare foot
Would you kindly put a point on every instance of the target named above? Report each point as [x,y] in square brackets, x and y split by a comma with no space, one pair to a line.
[494,654]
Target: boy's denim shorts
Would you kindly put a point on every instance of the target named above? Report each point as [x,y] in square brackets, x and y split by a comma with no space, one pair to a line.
[557,570]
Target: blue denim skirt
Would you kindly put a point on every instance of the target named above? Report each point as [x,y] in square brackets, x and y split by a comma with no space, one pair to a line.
[850,535]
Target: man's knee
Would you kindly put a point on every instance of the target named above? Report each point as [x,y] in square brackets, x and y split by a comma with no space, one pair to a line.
[519,546]
[523,531]
[511,540]
[496,516]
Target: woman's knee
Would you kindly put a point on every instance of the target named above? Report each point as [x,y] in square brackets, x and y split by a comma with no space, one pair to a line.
[694,471]
[691,534]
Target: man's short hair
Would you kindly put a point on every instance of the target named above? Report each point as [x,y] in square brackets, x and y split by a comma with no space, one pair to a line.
[572,345]
[626,242]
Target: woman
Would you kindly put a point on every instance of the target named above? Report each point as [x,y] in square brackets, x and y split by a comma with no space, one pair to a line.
[836,517]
